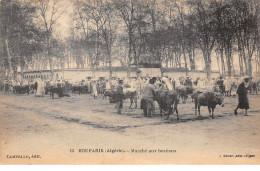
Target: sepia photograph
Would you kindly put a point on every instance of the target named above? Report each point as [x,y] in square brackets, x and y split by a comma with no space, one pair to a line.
[129,82]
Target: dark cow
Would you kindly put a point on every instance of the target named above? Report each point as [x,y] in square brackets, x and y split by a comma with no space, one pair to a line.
[33,87]
[55,90]
[209,99]
[183,92]
[21,89]
[47,87]
[80,89]
[167,101]
[109,93]
[252,87]
[128,94]
[60,91]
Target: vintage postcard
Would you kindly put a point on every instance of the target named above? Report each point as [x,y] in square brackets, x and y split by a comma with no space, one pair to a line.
[129,82]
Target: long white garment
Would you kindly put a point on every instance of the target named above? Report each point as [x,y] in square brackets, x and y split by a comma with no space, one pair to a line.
[94,88]
[227,83]
[40,88]
[108,85]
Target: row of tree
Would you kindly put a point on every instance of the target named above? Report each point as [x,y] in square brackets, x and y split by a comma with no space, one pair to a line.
[173,33]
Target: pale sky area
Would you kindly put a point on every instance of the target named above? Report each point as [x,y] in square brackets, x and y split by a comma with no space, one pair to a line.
[64,23]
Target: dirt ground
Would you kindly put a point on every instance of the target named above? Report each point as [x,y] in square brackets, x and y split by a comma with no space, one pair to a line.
[83,130]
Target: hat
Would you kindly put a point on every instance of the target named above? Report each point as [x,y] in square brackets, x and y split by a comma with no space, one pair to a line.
[152,80]
[246,78]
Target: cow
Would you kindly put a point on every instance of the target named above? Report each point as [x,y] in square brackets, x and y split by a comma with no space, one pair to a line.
[183,92]
[108,93]
[21,89]
[47,87]
[128,94]
[33,87]
[167,101]
[55,90]
[209,99]
[252,87]
[60,91]
[79,88]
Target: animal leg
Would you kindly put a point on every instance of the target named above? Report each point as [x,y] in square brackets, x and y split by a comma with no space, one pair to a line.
[170,111]
[136,102]
[212,113]
[131,102]
[209,109]
[196,104]
[199,109]
[235,111]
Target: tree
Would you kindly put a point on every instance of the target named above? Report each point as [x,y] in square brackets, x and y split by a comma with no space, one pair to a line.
[108,32]
[127,12]
[18,34]
[49,14]
[205,31]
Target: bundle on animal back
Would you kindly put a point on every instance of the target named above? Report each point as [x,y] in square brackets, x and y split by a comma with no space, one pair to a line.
[168,83]
[129,90]
[203,89]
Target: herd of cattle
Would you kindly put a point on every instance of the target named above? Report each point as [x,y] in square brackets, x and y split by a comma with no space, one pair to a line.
[167,100]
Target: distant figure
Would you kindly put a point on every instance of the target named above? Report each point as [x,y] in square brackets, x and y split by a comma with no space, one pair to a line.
[94,88]
[120,96]
[188,82]
[242,96]
[40,88]
[173,83]
[220,83]
[148,97]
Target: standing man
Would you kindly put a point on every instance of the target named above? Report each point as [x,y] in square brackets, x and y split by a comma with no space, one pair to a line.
[119,96]
[148,97]
[220,83]
[173,83]
[242,96]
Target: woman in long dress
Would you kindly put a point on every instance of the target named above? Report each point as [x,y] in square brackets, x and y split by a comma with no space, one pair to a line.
[243,102]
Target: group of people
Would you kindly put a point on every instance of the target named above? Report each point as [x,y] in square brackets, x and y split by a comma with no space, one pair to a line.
[146,87]
[148,92]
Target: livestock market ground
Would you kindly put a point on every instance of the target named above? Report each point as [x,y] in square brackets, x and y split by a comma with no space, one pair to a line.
[82,130]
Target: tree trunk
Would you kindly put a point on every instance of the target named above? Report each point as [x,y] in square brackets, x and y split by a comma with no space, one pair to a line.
[50,57]
[129,54]
[110,64]
[241,69]
[207,60]
[222,61]
[185,60]
[227,49]
[8,60]
[208,69]
[250,66]
[192,65]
